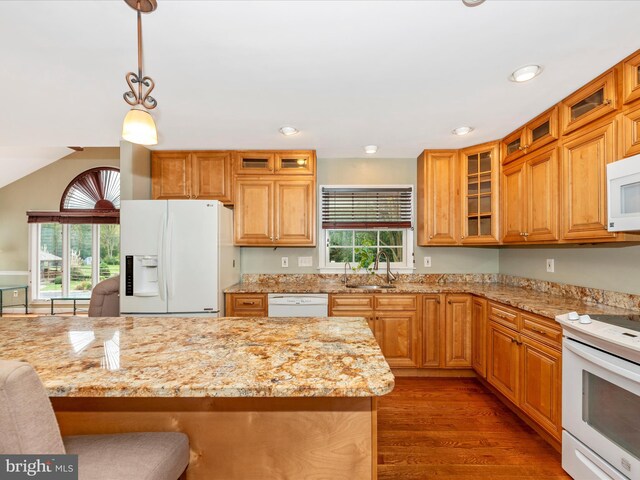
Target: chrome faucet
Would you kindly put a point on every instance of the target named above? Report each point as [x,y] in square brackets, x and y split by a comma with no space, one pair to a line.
[390,276]
[344,280]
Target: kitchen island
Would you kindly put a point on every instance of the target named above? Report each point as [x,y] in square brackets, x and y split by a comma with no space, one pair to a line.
[258,397]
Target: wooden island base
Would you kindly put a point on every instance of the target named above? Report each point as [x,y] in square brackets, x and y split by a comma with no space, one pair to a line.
[244,438]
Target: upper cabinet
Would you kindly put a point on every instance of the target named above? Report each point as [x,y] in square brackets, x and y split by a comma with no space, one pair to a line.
[585,156]
[480,167]
[184,175]
[595,100]
[275,198]
[539,132]
[530,198]
[630,131]
[631,78]
[438,197]
[270,162]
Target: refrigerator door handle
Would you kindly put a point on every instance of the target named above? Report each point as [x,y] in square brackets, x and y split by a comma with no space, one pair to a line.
[161,260]
[169,257]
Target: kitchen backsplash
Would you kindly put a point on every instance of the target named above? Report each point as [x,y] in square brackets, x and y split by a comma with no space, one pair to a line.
[586,294]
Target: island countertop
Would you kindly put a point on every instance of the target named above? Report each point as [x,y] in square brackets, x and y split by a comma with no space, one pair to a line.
[199,357]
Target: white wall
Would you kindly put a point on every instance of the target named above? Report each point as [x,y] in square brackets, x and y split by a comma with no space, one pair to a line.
[598,266]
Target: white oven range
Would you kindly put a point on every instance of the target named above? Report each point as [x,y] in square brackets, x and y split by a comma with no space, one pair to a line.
[601,396]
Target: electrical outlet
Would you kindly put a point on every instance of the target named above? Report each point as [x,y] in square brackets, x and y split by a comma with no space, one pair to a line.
[305,262]
[15,294]
[427,262]
[551,265]
[285,262]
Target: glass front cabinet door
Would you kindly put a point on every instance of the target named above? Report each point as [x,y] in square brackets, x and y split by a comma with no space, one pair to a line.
[631,79]
[480,167]
[594,100]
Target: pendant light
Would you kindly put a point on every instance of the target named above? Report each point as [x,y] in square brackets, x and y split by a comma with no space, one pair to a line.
[138,126]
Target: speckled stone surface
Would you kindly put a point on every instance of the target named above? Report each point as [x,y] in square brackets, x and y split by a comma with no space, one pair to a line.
[199,357]
[542,298]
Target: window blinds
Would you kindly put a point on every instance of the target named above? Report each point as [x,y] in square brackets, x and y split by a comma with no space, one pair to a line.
[362,207]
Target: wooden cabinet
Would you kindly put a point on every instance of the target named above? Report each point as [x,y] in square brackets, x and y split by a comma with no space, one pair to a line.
[631,78]
[479,169]
[275,212]
[457,337]
[539,132]
[593,101]
[630,131]
[583,182]
[398,337]
[266,162]
[393,320]
[170,175]
[479,336]
[204,175]
[438,198]
[246,305]
[446,331]
[275,199]
[503,362]
[524,363]
[540,392]
[530,198]
[432,315]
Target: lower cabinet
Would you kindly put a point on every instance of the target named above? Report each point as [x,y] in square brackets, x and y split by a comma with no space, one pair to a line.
[393,319]
[526,369]
[246,305]
[479,336]
[446,331]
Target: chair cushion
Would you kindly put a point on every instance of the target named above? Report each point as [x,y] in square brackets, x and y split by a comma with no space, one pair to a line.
[27,422]
[105,298]
[143,456]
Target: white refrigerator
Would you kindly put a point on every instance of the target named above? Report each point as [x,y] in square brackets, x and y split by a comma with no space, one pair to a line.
[177,256]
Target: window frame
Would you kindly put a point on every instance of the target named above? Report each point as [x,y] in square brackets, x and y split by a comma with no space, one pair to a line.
[408,266]
[34,259]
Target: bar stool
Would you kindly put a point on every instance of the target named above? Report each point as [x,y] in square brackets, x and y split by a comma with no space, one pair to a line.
[28,426]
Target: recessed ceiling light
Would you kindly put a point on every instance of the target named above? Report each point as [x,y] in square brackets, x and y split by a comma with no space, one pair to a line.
[462,130]
[288,130]
[525,73]
[472,3]
[370,149]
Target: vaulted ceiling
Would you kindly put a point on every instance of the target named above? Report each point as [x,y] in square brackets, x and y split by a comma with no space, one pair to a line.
[398,74]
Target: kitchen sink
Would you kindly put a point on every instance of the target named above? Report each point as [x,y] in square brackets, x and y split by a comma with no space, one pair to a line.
[372,287]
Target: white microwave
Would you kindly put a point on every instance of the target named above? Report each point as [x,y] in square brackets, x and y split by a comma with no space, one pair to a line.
[623,187]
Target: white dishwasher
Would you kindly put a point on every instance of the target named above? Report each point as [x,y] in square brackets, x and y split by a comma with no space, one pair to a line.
[298,304]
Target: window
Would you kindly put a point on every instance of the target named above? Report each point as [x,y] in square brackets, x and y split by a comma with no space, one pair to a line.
[74,249]
[361,222]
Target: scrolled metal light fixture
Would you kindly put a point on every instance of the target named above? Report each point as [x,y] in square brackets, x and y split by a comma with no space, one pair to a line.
[138,126]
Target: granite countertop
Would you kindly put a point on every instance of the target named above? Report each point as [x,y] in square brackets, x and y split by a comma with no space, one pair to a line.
[527,299]
[199,357]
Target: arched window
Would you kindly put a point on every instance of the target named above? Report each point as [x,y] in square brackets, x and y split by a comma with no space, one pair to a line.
[95,189]
[79,245]
[91,197]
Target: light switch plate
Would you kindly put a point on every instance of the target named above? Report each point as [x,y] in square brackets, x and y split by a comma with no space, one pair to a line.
[427,262]
[285,262]
[305,262]
[551,265]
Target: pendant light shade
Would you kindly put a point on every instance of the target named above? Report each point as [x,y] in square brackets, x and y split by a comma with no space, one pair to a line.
[139,127]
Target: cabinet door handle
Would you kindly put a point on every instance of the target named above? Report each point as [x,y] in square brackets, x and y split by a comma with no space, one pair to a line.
[277,237]
[607,102]
[449,302]
[430,237]
[248,303]
[537,330]
[271,237]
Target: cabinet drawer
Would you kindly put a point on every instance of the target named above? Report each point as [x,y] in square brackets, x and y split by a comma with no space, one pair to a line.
[542,329]
[249,302]
[351,302]
[506,316]
[396,302]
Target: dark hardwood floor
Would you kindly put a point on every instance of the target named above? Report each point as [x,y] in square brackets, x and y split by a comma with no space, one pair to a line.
[455,428]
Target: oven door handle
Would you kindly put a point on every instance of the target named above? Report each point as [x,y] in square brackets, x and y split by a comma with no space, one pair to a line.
[598,358]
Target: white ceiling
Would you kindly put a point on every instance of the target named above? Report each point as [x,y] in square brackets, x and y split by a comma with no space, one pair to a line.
[399,74]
